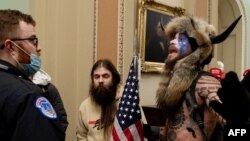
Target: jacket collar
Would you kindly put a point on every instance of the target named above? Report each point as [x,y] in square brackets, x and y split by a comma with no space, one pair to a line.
[7,67]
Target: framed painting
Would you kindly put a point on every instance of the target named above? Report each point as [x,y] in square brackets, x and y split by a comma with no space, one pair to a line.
[152,17]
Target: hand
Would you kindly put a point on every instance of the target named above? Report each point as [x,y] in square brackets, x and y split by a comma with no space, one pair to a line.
[235,107]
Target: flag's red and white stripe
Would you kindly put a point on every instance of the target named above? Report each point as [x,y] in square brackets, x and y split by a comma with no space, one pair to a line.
[132,133]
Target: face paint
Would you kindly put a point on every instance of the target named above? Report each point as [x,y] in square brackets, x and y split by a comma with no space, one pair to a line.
[182,44]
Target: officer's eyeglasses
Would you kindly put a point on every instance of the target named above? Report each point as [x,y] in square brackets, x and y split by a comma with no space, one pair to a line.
[33,40]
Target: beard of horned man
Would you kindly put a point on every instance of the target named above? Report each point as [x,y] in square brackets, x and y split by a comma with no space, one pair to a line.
[170,63]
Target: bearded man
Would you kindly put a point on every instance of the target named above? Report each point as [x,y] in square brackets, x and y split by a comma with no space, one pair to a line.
[195,104]
[96,113]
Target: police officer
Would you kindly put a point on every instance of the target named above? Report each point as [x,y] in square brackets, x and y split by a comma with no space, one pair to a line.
[25,114]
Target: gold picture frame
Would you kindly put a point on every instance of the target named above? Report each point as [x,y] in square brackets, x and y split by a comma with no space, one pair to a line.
[149,15]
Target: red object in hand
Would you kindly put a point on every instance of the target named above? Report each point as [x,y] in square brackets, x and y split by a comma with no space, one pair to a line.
[246,72]
[216,72]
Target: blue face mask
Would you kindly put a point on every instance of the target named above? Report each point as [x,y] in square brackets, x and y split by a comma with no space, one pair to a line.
[33,67]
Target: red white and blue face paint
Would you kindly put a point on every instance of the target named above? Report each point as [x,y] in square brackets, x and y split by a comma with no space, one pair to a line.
[181,43]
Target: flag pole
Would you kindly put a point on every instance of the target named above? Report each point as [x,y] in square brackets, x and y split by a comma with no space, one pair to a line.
[137,61]
[127,124]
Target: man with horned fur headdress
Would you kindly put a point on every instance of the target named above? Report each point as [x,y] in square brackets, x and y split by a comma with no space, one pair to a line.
[194,102]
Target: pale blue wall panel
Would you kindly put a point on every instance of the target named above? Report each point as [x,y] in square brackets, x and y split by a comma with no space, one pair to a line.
[22,5]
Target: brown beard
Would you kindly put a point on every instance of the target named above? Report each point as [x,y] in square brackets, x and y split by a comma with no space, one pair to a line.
[105,97]
[23,58]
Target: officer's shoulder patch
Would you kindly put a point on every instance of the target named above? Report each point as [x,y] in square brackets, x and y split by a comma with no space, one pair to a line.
[45,107]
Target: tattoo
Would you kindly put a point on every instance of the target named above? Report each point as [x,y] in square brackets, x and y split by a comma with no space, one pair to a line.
[205,91]
[171,136]
[205,88]
[177,120]
[98,125]
[208,80]
[191,130]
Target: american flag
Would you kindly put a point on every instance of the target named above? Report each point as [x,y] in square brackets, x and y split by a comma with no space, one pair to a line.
[127,125]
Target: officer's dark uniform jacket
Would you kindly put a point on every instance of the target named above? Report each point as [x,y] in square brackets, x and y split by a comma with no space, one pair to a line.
[25,115]
[52,94]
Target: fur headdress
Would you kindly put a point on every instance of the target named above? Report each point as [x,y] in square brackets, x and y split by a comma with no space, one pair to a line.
[178,78]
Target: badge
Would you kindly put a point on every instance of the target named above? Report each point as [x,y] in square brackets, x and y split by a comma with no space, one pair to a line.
[45,107]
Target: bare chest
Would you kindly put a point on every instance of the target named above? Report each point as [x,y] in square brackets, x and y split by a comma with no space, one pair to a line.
[182,127]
